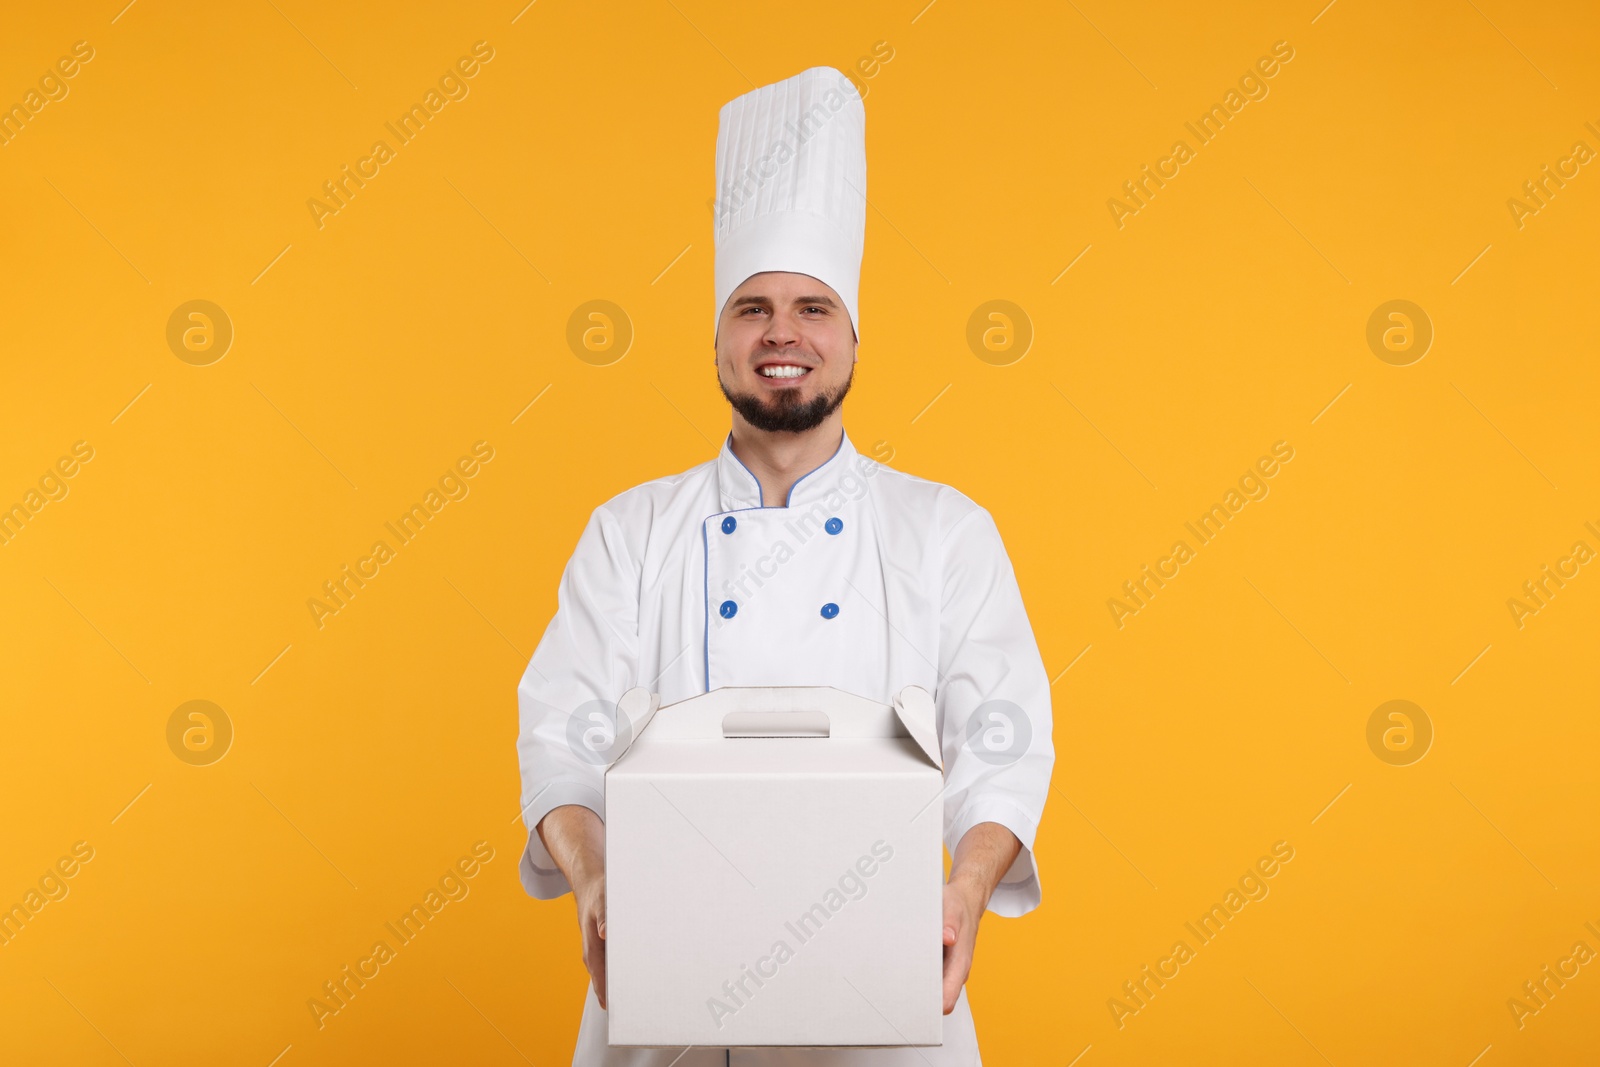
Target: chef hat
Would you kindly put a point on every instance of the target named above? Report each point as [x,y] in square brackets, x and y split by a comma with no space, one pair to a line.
[792,185]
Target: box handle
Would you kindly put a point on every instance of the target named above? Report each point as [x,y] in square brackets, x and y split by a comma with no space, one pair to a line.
[775,724]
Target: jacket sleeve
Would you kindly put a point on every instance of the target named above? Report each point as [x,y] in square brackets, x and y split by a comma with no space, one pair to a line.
[567,699]
[993,704]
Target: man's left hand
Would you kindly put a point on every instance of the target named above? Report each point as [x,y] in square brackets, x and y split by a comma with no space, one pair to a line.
[962,910]
[982,856]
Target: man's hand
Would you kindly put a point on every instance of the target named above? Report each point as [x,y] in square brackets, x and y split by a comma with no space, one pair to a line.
[576,838]
[591,898]
[962,910]
[983,855]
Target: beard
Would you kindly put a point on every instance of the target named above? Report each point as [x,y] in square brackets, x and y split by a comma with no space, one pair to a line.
[784,411]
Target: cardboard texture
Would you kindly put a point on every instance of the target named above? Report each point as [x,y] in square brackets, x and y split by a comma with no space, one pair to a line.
[774,871]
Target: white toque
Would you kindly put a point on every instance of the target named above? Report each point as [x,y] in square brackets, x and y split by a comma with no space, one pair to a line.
[792,185]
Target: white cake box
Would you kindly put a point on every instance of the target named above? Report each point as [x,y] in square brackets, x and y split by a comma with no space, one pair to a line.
[775,870]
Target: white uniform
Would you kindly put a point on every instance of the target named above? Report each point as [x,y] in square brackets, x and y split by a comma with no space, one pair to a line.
[868,580]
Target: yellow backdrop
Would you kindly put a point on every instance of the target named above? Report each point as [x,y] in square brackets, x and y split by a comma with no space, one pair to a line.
[1326,276]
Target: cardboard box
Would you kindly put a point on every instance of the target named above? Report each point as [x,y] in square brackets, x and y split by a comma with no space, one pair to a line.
[775,871]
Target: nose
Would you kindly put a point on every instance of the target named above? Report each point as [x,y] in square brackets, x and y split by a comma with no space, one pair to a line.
[780,331]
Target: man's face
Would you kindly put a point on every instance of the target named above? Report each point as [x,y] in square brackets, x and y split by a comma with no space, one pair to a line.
[786,351]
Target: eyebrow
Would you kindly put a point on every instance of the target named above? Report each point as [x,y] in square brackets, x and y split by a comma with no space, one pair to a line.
[745,301]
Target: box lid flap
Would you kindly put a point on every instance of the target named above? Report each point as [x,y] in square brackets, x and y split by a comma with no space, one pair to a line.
[914,707]
[636,708]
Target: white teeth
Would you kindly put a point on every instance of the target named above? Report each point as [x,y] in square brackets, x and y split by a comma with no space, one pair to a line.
[778,370]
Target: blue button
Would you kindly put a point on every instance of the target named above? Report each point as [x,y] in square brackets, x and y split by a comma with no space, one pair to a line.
[833,526]
[729,608]
[728,524]
[828,610]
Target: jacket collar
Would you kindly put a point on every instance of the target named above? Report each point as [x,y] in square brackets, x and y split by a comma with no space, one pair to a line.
[739,488]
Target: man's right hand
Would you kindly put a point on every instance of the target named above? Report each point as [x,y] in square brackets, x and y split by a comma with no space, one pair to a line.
[591,898]
[575,838]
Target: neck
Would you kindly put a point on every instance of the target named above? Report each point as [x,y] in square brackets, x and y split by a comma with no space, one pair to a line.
[778,460]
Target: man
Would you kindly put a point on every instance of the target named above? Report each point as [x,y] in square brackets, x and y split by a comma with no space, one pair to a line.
[791,559]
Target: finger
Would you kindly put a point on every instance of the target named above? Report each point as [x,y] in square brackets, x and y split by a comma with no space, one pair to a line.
[598,976]
[956,969]
[952,917]
[955,916]
[957,966]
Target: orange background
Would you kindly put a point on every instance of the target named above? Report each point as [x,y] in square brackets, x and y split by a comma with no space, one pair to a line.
[368,355]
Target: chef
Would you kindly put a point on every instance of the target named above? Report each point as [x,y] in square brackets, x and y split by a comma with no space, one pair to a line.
[791,559]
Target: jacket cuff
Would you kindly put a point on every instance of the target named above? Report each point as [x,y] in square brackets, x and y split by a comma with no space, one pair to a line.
[1018,891]
[541,878]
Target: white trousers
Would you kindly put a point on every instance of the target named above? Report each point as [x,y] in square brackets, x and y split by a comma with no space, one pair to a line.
[960,1049]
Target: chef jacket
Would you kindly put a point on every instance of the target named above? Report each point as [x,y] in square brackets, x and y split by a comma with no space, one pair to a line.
[866,579]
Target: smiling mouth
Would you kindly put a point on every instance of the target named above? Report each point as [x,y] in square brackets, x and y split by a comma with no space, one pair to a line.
[782,372]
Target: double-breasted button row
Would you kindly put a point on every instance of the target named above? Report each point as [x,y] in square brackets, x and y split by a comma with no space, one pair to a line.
[729,609]
[833,525]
